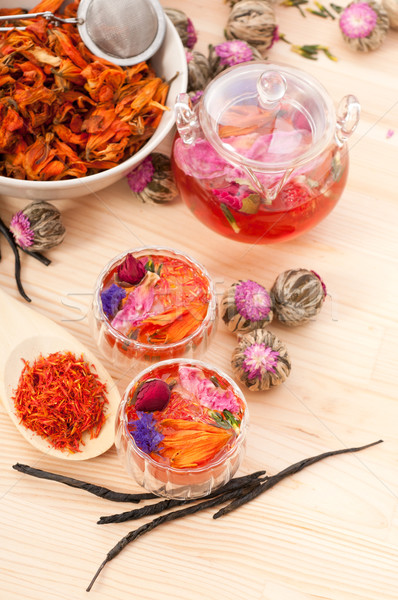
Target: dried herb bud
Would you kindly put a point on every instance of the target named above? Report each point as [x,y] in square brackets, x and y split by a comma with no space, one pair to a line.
[183,25]
[131,271]
[261,360]
[297,296]
[151,395]
[245,306]
[162,187]
[38,227]
[198,70]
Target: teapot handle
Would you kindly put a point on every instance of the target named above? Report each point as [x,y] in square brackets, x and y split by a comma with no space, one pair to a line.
[348,113]
[186,119]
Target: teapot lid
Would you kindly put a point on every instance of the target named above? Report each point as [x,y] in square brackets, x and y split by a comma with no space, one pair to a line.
[267,116]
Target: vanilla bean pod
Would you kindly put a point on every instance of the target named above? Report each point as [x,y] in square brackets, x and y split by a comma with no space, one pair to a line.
[154,509]
[177,514]
[97,490]
[37,255]
[5,231]
[295,468]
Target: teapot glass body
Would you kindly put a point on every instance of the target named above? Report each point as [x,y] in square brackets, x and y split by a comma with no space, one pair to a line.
[262,159]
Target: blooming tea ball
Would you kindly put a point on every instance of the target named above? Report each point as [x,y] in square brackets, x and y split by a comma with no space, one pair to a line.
[198,70]
[246,305]
[364,25]
[297,296]
[391,8]
[260,360]
[184,26]
[253,21]
[38,227]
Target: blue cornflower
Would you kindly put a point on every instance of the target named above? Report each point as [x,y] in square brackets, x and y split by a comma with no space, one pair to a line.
[111,299]
[145,435]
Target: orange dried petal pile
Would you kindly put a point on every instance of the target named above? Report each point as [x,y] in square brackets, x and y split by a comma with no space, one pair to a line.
[64,112]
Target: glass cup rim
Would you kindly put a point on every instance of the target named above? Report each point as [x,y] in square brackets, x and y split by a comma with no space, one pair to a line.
[239,439]
[156,347]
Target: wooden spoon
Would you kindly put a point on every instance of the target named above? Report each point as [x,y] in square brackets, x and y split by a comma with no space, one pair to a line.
[24,333]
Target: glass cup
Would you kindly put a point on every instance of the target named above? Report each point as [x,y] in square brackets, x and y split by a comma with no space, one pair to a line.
[125,352]
[155,471]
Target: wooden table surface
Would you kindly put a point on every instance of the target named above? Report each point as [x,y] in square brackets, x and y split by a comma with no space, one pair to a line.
[329,532]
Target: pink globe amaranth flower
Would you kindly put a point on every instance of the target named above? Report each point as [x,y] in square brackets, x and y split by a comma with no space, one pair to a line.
[20,229]
[358,20]
[192,37]
[252,300]
[131,270]
[188,56]
[151,395]
[233,52]
[259,358]
[139,177]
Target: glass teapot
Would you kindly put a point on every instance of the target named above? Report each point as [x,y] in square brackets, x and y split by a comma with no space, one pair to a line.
[263,156]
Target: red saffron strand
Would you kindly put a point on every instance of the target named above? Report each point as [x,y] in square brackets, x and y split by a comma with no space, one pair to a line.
[60,398]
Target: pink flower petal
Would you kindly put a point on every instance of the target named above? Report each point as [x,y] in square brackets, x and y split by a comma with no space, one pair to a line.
[137,307]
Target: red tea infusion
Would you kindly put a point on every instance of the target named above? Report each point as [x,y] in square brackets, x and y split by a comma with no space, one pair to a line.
[155,299]
[197,422]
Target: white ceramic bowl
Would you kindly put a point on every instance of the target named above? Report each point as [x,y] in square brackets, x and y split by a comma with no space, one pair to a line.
[169,60]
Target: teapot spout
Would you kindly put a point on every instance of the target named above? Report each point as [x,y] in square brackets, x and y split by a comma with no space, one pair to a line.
[267,193]
[186,119]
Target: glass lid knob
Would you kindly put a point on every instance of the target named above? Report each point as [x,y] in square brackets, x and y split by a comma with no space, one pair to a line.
[271,87]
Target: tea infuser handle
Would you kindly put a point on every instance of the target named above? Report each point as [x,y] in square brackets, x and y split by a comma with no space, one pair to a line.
[186,120]
[271,87]
[47,15]
[348,113]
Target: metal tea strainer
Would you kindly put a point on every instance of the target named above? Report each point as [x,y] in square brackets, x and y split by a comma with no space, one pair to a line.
[124,32]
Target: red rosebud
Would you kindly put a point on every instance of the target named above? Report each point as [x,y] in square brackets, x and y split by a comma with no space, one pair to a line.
[151,395]
[131,270]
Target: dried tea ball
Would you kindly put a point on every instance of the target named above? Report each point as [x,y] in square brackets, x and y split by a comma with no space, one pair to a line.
[253,21]
[162,188]
[364,25]
[152,180]
[297,296]
[198,70]
[261,360]
[245,306]
[38,227]
[232,52]
[183,25]
[391,8]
